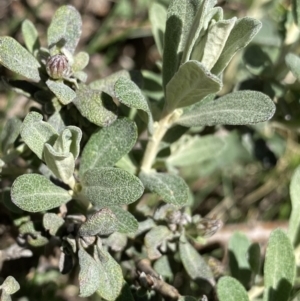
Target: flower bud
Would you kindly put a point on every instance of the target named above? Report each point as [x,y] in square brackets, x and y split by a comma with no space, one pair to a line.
[58,66]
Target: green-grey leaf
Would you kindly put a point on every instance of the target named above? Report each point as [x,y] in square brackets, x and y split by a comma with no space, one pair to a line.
[215,41]
[294,222]
[35,193]
[96,106]
[5,296]
[163,267]
[193,262]
[81,60]
[197,28]
[52,222]
[7,202]
[61,164]
[180,16]
[126,222]
[36,133]
[254,258]
[63,92]
[229,289]
[238,262]
[65,29]
[237,108]
[111,277]
[117,241]
[37,241]
[192,150]
[30,35]
[108,145]
[171,188]
[128,93]
[111,186]
[190,85]
[10,285]
[89,274]
[17,59]
[102,222]
[296,11]
[154,239]
[280,268]
[293,62]
[76,138]
[10,133]
[157,17]
[107,84]
[240,36]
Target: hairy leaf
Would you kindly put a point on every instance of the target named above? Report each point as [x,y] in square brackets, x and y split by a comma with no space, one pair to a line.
[128,93]
[154,239]
[190,84]
[102,222]
[238,262]
[294,223]
[64,30]
[197,27]
[52,222]
[240,36]
[171,188]
[17,59]
[107,84]
[89,274]
[35,193]
[280,268]
[126,222]
[229,289]
[63,92]
[192,150]
[96,106]
[30,35]
[108,145]
[180,16]
[111,277]
[237,108]
[10,133]
[36,133]
[157,17]
[111,186]
[193,262]
[81,60]
[10,285]
[293,62]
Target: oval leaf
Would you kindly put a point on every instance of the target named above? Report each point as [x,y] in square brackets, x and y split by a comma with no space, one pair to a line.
[65,29]
[193,262]
[96,106]
[240,36]
[30,36]
[103,222]
[128,93]
[111,186]
[293,62]
[17,59]
[10,285]
[89,274]
[111,277]
[63,92]
[126,222]
[154,238]
[52,222]
[81,60]
[229,289]
[108,145]
[190,84]
[36,133]
[294,223]
[237,108]
[280,268]
[35,193]
[171,188]
[10,133]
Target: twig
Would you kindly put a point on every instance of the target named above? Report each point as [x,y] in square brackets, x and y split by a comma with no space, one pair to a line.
[149,279]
